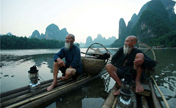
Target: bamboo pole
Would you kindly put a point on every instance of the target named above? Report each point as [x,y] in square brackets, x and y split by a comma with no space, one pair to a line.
[4,94]
[155,100]
[42,95]
[25,92]
[14,91]
[41,99]
[110,99]
[12,99]
[115,101]
[144,102]
[165,102]
[3,99]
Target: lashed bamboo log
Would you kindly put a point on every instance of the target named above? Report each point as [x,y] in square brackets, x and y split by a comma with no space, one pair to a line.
[44,98]
[155,99]
[110,99]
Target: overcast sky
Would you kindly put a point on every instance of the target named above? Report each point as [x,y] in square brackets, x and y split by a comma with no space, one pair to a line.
[82,18]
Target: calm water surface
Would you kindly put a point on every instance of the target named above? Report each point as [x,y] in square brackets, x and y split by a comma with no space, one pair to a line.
[15,64]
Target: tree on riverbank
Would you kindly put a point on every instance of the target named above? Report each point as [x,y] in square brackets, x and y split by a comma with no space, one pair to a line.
[14,42]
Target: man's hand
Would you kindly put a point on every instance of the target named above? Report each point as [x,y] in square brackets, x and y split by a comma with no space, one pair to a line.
[60,62]
[138,61]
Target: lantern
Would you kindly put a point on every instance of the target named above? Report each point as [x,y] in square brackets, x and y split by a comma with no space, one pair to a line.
[125,100]
[33,78]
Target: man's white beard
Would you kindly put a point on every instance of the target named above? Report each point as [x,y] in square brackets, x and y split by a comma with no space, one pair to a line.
[67,45]
[126,49]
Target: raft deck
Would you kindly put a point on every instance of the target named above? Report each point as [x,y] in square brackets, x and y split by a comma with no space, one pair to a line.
[24,98]
[145,99]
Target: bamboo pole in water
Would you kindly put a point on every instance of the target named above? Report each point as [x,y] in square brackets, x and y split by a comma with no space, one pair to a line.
[165,102]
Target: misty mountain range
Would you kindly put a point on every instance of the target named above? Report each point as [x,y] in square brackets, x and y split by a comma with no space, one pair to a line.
[155,24]
[53,32]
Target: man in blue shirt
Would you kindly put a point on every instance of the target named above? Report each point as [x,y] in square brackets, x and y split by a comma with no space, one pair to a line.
[126,58]
[72,66]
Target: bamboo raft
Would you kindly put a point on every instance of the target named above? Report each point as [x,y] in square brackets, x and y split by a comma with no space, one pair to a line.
[145,99]
[24,98]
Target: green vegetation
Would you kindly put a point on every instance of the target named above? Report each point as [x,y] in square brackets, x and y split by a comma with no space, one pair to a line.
[155,27]
[158,26]
[14,42]
[163,34]
[168,40]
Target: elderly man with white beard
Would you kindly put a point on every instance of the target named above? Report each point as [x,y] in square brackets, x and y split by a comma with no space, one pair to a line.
[128,57]
[72,66]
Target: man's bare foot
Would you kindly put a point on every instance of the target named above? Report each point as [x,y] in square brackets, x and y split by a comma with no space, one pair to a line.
[117,92]
[51,86]
[63,78]
[139,87]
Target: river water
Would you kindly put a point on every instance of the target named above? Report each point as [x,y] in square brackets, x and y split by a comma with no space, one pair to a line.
[15,64]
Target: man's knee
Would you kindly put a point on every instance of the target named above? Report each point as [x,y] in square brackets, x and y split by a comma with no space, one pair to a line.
[71,71]
[108,66]
[139,55]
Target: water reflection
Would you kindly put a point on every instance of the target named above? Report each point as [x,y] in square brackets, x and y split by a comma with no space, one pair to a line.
[166,75]
[14,69]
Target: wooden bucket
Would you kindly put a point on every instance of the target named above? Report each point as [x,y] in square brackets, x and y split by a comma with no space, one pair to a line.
[92,66]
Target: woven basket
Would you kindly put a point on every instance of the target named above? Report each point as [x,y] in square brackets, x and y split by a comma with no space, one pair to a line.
[92,66]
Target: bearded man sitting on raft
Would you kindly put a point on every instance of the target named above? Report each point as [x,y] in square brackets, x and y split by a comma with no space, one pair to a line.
[128,57]
[72,66]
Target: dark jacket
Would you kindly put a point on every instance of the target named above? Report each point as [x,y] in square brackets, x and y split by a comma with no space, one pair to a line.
[119,58]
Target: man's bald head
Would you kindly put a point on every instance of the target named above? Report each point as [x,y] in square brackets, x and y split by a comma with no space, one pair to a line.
[130,42]
[132,38]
